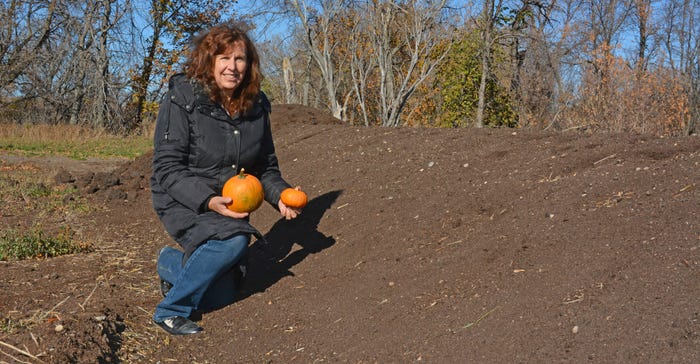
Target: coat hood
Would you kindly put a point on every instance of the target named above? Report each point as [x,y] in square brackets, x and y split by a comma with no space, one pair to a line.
[188,93]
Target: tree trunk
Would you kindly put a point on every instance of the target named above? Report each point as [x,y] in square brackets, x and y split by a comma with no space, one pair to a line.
[289,84]
[82,55]
[482,89]
[101,114]
[486,35]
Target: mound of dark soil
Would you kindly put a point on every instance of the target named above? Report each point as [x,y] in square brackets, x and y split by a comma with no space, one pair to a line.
[491,246]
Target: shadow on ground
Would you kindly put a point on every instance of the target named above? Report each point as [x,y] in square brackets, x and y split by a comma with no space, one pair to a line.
[271,259]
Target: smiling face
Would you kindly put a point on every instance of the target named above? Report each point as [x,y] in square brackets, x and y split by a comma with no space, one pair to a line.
[230,68]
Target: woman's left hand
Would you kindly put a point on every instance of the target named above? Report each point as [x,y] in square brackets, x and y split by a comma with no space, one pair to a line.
[288,212]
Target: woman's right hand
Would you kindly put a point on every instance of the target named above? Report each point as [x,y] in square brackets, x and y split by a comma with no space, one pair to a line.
[218,204]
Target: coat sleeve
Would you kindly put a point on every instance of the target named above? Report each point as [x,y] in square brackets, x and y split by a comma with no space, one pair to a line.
[267,166]
[171,158]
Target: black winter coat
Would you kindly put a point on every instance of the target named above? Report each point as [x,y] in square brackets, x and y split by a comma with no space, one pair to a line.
[197,148]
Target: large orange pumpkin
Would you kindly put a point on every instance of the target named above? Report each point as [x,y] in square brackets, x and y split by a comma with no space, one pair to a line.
[294,198]
[246,192]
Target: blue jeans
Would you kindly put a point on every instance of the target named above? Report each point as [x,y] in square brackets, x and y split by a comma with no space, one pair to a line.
[205,282]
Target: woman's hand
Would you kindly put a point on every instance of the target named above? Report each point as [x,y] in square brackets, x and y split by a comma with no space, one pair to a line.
[218,204]
[288,212]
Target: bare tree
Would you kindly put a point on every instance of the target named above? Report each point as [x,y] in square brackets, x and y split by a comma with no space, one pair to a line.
[539,70]
[505,25]
[642,14]
[81,61]
[290,92]
[694,93]
[108,17]
[362,66]
[404,37]
[316,21]
[489,17]
[25,27]
[606,20]
[681,36]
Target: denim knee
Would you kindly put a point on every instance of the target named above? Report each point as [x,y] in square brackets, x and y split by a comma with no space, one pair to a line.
[228,250]
[169,263]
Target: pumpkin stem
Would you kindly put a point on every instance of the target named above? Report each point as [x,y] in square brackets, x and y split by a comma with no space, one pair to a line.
[241,174]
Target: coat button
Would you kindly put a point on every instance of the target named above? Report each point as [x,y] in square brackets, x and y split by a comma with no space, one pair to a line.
[236,132]
[233,166]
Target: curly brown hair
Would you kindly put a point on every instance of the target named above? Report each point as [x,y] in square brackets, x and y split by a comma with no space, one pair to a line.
[220,39]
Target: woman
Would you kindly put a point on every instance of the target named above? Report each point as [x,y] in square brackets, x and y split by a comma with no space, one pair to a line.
[213,121]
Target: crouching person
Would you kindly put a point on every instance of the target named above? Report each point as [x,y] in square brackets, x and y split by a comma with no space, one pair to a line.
[213,121]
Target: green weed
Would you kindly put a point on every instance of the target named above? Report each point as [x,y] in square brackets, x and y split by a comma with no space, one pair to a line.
[8,325]
[36,243]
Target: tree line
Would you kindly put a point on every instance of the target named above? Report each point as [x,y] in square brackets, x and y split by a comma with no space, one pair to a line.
[597,65]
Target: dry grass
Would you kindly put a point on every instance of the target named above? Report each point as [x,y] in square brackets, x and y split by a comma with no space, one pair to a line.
[72,141]
[45,132]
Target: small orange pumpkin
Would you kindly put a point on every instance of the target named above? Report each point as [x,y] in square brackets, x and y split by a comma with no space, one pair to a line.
[245,191]
[294,198]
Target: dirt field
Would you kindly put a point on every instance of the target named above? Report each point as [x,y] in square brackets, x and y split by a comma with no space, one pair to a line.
[418,245]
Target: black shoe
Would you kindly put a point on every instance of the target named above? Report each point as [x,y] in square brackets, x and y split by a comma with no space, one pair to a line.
[240,273]
[178,325]
[165,287]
